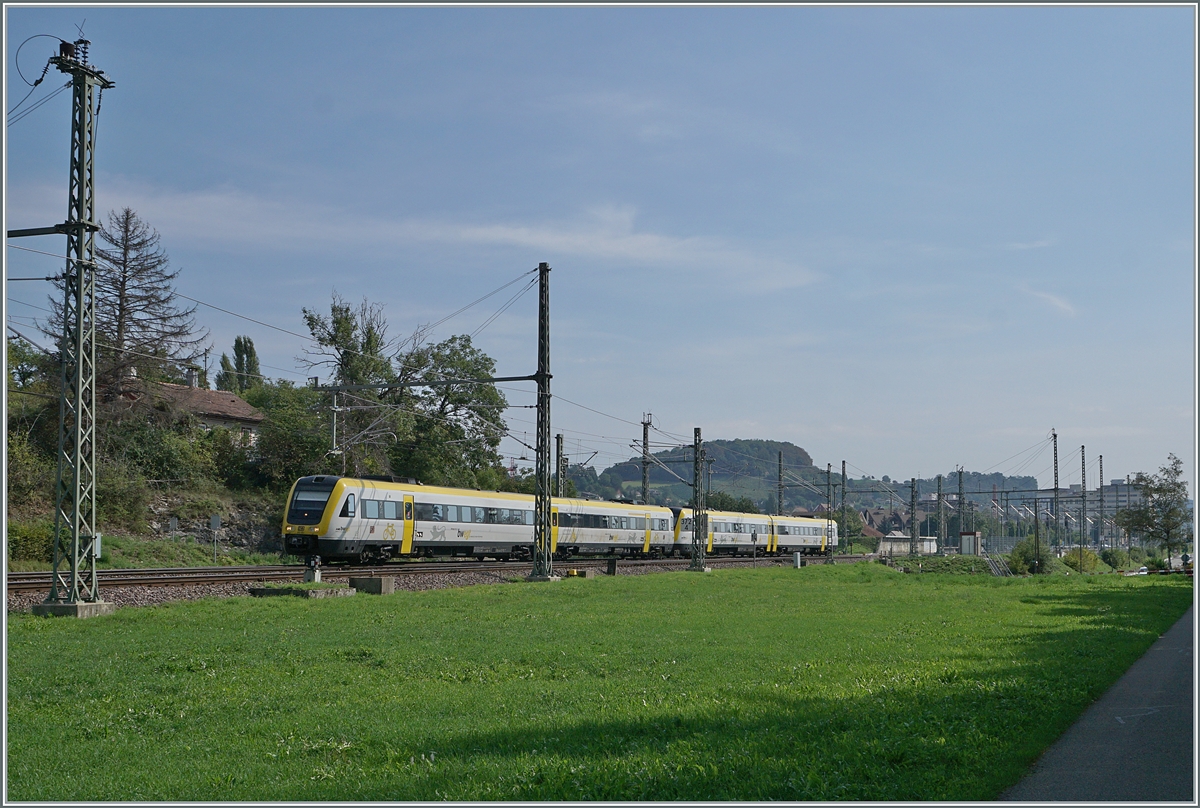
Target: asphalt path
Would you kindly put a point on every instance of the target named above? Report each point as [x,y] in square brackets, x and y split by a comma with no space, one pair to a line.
[1135,743]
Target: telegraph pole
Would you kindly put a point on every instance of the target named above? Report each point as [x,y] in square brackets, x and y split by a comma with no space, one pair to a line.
[74,589]
[779,489]
[962,509]
[1082,507]
[542,558]
[941,517]
[646,421]
[699,505]
[1100,533]
[560,467]
[1054,435]
[1037,545]
[842,523]
[912,519]
[829,508]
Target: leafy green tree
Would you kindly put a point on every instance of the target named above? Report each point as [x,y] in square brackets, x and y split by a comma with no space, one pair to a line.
[293,439]
[1164,517]
[721,501]
[353,344]
[242,373]
[852,529]
[456,428]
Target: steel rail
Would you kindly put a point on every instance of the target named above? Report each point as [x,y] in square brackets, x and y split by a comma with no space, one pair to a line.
[174,576]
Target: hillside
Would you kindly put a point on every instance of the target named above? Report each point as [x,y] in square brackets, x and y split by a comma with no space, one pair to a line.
[750,468]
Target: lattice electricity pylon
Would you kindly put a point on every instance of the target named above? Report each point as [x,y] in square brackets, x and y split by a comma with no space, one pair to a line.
[75,538]
[699,505]
[542,555]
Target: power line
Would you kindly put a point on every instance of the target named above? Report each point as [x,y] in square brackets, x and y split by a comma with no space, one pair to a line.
[25,113]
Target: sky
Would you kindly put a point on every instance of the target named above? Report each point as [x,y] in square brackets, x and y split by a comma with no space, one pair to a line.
[909,238]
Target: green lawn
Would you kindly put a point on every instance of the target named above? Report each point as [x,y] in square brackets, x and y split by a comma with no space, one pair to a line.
[830,682]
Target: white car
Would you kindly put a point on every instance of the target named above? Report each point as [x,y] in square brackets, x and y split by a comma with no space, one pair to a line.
[1143,571]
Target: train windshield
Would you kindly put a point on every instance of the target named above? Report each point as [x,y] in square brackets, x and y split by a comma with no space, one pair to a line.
[308,500]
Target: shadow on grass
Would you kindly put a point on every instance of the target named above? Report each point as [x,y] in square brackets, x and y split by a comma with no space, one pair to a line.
[924,735]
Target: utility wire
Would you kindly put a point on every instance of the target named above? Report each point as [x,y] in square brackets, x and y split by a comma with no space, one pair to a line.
[25,113]
[504,308]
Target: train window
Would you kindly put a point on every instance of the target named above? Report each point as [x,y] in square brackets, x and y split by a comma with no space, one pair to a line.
[553,519]
[638,522]
[599,520]
[489,516]
[781,530]
[391,510]
[431,513]
[529,517]
[348,506]
[371,509]
[451,513]
[738,527]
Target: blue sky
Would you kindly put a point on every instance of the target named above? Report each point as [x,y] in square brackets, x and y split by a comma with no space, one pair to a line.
[908,238]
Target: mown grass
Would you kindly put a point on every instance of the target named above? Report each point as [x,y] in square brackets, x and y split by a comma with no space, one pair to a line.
[137,552]
[830,682]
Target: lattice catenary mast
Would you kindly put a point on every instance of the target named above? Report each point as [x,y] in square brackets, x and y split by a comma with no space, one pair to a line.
[73,586]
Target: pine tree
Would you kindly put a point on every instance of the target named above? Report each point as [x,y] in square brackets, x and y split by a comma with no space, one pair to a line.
[141,330]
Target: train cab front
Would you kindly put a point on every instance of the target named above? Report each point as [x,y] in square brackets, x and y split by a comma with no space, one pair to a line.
[306,522]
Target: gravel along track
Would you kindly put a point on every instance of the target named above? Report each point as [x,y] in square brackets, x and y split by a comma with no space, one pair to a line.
[133,595]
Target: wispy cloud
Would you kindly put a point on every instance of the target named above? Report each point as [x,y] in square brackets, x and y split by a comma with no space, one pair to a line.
[1029,245]
[1054,300]
[233,219]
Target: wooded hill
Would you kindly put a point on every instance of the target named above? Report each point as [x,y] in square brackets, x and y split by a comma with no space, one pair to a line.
[750,468]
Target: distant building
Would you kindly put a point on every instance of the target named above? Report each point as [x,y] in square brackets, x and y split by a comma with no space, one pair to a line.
[212,408]
[897,544]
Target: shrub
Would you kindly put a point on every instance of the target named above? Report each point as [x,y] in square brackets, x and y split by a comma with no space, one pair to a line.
[31,541]
[1021,559]
[30,472]
[1090,560]
[1137,555]
[1115,557]
[121,496]
[231,457]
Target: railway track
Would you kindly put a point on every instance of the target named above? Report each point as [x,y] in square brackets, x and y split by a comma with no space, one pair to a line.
[177,576]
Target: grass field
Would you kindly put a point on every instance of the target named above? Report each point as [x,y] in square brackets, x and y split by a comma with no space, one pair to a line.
[846,682]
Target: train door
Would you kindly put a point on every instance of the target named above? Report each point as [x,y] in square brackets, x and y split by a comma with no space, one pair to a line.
[407,540]
[553,529]
[770,535]
[646,544]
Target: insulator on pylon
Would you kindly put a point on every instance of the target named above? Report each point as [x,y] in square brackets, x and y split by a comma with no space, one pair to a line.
[81,50]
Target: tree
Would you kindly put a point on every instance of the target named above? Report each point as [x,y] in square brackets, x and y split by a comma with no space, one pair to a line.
[353,343]
[853,528]
[293,440]
[241,374]
[456,428]
[141,330]
[720,501]
[1164,517]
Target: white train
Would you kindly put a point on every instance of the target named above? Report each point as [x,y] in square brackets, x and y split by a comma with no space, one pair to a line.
[372,520]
